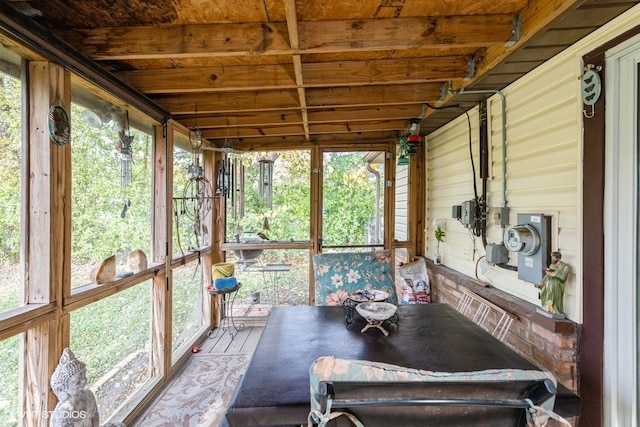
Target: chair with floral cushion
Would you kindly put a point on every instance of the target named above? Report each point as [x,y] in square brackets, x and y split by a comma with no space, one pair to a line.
[372,394]
[337,274]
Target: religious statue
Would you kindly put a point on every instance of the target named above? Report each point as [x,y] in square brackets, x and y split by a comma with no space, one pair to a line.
[552,285]
[76,405]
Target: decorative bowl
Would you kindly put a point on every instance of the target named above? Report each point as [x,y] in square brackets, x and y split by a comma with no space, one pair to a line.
[364,295]
[374,311]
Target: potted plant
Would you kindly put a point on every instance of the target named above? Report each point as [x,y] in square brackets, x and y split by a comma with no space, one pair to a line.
[439,233]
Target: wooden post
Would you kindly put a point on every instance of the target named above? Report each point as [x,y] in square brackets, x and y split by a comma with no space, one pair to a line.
[160,363]
[48,257]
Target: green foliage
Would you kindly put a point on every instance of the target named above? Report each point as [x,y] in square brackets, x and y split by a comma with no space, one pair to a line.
[289,218]
[348,199]
[10,167]
[100,228]
[439,234]
[348,202]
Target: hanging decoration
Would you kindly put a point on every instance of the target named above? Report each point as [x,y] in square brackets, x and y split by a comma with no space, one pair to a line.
[59,124]
[236,194]
[591,88]
[197,195]
[265,182]
[403,158]
[125,138]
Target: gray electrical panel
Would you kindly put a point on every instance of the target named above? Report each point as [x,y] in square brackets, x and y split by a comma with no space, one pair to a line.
[468,213]
[531,239]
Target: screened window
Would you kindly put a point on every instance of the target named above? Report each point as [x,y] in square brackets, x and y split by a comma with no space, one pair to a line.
[11,171]
[111,184]
[112,338]
[187,302]
[268,193]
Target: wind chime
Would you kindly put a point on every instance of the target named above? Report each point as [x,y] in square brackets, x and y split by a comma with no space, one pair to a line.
[265,183]
[126,153]
[235,196]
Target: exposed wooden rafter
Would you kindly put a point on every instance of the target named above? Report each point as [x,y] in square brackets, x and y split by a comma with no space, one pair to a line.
[298,72]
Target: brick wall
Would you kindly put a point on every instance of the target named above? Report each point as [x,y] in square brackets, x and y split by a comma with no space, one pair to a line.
[550,344]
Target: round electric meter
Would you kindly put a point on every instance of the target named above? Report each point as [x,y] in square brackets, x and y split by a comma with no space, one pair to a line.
[522,238]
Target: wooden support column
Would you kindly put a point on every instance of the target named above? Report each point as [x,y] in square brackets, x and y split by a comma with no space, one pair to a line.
[47,258]
[417,206]
[215,237]
[160,363]
[316,217]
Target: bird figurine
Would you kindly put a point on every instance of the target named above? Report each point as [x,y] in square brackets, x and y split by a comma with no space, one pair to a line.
[262,236]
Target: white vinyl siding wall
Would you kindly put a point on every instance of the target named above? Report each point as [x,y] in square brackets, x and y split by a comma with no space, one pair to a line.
[401,202]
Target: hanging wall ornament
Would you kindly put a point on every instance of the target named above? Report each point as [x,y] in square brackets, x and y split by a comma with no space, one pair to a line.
[591,88]
[59,125]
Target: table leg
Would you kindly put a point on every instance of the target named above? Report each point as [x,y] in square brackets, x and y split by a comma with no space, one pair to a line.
[227,322]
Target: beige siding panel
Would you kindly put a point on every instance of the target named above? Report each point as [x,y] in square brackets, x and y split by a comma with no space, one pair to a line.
[542,172]
[401,194]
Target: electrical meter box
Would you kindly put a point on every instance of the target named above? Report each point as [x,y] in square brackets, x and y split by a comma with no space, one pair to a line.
[531,239]
[468,214]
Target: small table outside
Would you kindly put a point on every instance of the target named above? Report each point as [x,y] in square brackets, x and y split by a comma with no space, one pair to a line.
[271,280]
[227,323]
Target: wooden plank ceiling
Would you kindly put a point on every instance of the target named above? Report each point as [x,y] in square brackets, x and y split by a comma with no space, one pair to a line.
[286,72]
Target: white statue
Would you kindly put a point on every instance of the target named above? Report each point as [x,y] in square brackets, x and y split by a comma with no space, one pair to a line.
[77,405]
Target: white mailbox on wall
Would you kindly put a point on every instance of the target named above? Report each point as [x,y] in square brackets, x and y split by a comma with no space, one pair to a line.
[531,239]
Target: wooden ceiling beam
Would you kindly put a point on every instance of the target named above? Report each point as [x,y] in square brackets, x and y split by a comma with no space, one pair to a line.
[298,129]
[185,80]
[359,96]
[324,36]
[254,132]
[331,115]
[286,101]
[379,112]
[405,70]
[297,142]
[227,102]
[292,26]
[245,119]
[268,77]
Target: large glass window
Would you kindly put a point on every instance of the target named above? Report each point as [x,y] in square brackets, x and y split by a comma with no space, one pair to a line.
[111,184]
[11,172]
[112,338]
[352,199]
[268,193]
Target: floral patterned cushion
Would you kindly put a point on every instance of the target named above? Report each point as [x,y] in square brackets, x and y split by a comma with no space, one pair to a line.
[337,274]
[335,370]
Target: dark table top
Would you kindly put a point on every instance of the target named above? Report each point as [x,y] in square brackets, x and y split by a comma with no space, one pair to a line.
[275,389]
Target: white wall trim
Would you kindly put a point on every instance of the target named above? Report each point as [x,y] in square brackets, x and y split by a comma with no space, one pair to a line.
[620,229]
